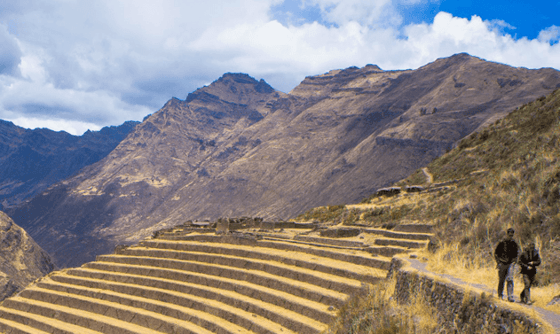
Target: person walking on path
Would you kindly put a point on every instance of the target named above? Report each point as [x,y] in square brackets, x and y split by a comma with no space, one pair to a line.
[506,254]
[529,260]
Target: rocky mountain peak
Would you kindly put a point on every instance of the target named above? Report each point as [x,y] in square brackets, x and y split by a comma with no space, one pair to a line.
[236,88]
[372,67]
[457,61]
[174,103]
[241,78]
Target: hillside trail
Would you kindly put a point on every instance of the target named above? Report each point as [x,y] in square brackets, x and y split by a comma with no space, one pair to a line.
[429,176]
[552,318]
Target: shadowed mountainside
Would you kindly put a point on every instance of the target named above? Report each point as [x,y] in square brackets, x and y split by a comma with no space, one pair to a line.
[32,160]
[238,147]
[21,260]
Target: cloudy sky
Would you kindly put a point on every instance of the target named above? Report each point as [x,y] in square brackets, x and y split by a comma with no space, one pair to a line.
[76,65]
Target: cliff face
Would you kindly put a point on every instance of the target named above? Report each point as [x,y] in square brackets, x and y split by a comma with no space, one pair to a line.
[238,147]
[32,160]
[21,260]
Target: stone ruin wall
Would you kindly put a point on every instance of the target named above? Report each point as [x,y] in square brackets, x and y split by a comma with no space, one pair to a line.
[459,310]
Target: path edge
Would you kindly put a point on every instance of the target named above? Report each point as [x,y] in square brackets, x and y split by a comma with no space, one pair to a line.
[459,307]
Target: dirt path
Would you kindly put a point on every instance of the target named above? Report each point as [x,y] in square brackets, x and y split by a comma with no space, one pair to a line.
[552,318]
[429,176]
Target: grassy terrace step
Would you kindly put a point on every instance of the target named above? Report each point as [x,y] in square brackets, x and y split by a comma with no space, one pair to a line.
[281,251]
[330,241]
[387,251]
[353,255]
[398,234]
[209,286]
[139,311]
[409,232]
[135,313]
[287,293]
[297,265]
[71,316]
[264,240]
[401,243]
[15,321]
[414,228]
[206,263]
[207,313]
[268,237]
[179,271]
[257,237]
[12,327]
[262,237]
[284,263]
[358,256]
[235,307]
[186,282]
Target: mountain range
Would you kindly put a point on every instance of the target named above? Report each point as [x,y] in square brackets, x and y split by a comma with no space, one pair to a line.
[237,147]
[32,160]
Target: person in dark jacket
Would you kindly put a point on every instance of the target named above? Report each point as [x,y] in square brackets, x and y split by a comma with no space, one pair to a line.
[506,254]
[529,260]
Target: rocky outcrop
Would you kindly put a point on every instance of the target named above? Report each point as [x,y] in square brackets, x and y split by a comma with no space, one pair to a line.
[389,191]
[21,260]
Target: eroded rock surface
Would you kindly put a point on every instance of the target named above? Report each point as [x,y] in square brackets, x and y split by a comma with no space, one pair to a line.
[21,260]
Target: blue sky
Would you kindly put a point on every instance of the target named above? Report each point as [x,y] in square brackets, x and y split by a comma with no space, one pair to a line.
[522,18]
[76,65]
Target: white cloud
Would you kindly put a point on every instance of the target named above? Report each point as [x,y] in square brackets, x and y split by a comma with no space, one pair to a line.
[550,35]
[370,12]
[72,127]
[104,62]
[10,53]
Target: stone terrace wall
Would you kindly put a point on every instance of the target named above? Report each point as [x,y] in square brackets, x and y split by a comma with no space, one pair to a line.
[459,311]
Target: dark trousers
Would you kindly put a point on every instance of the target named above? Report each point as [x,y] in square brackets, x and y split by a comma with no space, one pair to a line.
[503,270]
[528,280]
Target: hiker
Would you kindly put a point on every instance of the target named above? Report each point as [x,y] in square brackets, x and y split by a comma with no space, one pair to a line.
[529,260]
[506,254]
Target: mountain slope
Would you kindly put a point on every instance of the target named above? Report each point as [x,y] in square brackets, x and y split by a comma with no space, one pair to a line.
[21,260]
[237,147]
[505,175]
[32,160]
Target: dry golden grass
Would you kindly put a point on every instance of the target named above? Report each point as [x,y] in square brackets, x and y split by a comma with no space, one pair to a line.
[448,260]
[376,312]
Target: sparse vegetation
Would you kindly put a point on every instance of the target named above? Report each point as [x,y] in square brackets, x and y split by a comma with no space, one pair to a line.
[375,312]
[324,213]
[520,187]
[416,178]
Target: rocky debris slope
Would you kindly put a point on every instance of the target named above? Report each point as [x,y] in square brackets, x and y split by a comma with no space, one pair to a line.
[238,147]
[21,260]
